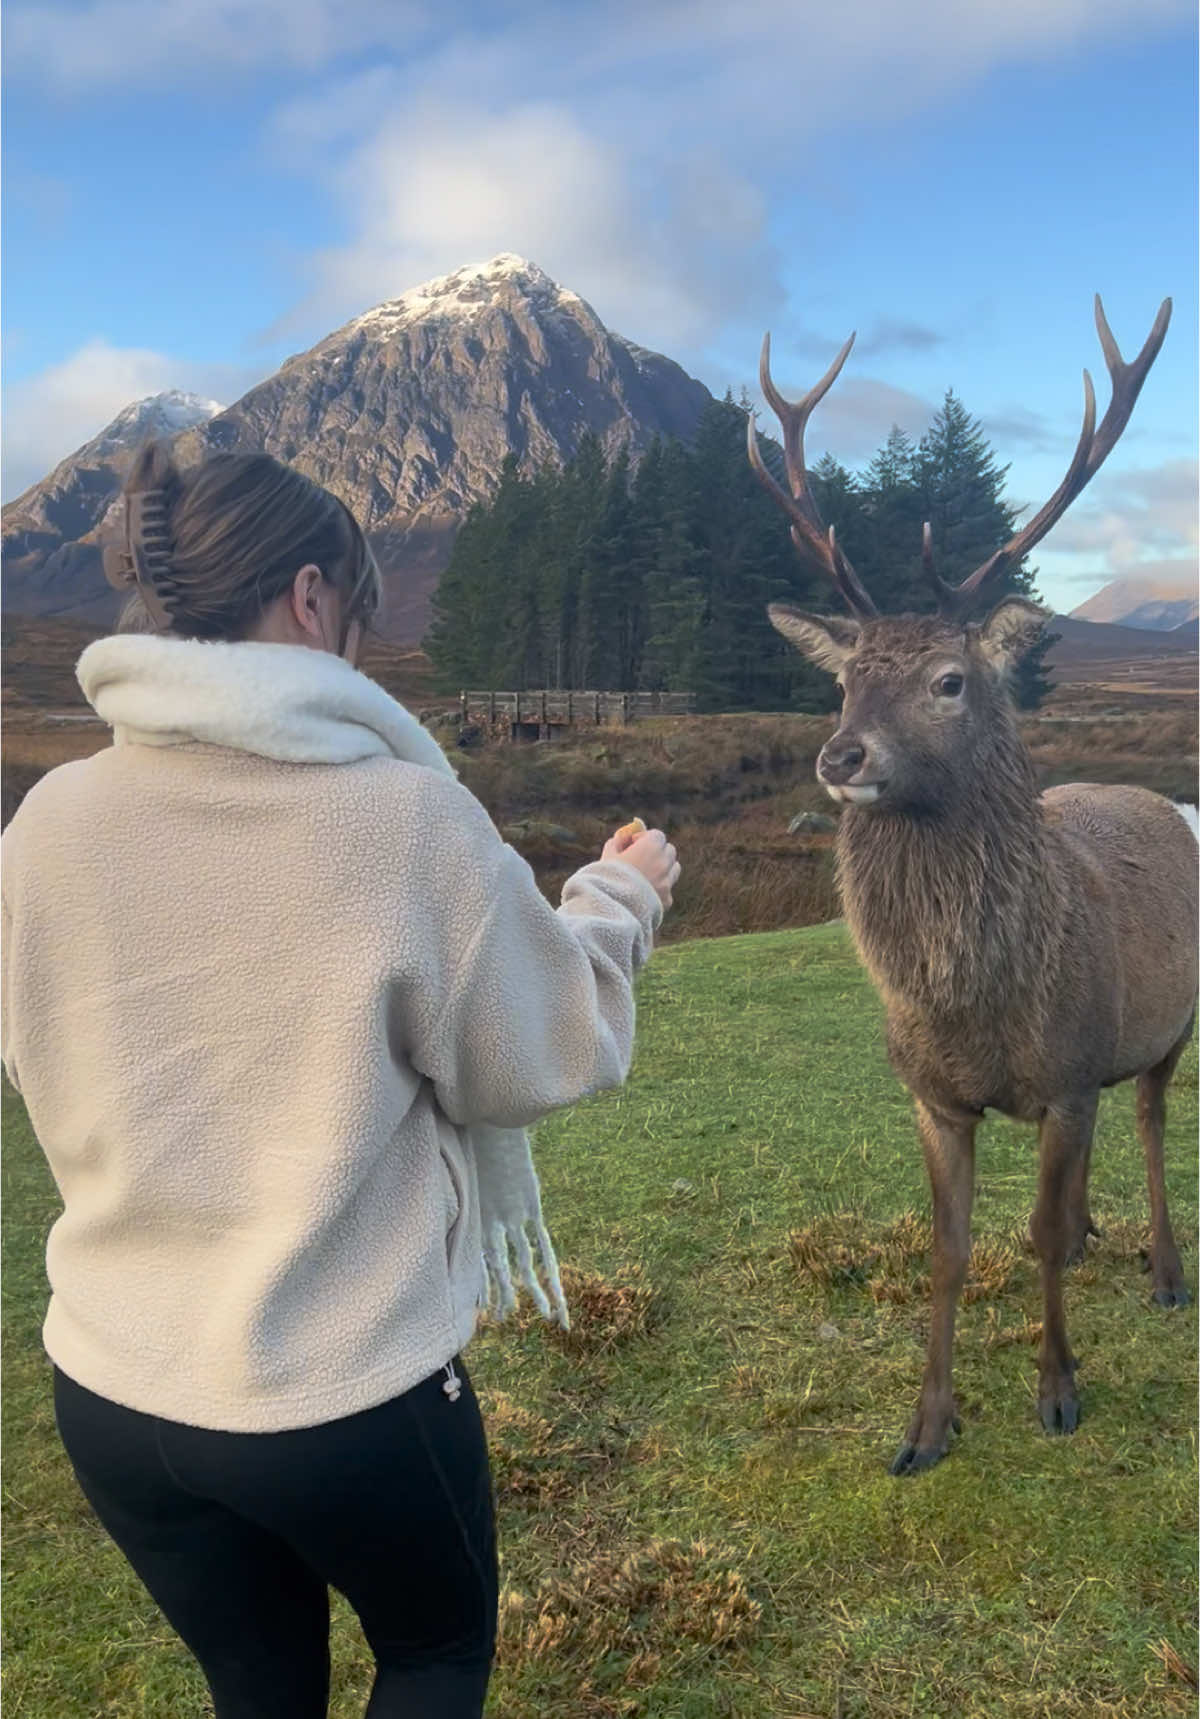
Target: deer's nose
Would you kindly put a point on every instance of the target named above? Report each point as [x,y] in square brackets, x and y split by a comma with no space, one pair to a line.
[839,760]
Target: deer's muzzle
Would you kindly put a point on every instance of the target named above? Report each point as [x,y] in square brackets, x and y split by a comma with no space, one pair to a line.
[839,760]
[843,770]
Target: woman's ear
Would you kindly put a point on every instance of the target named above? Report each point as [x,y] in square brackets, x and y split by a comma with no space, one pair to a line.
[312,602]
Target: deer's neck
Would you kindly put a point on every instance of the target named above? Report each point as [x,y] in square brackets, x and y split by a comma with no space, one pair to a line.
[954,910]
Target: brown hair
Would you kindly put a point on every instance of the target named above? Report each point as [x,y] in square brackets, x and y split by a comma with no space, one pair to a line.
[207,549]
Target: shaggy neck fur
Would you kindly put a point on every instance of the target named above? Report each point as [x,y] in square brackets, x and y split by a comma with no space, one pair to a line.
[955,908]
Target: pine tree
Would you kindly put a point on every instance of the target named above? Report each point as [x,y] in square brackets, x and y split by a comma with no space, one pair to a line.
[961,493]
[453,641]
[583,498]
[611,618]
[1031,683]
[668,555]
[892,502]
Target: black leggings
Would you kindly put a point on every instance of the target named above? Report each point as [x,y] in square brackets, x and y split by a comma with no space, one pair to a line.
[239,1535]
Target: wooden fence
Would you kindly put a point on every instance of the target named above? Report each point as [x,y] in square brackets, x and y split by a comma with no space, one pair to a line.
[535,714]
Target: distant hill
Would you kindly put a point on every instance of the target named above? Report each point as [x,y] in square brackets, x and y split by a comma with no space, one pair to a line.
[1093,641]
[407,414]
[1156,606]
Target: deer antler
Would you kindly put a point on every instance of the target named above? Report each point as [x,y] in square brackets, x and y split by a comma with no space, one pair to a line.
[1091,451]
[808,530]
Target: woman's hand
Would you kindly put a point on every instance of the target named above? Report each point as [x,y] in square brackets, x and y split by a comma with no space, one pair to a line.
[649,852]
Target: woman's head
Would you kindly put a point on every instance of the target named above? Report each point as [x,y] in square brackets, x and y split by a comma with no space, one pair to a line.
[241,547]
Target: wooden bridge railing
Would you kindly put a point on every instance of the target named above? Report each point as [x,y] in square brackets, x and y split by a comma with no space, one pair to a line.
[566,709]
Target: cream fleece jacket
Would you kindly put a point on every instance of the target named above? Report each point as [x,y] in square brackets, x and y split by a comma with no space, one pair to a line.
[272,984]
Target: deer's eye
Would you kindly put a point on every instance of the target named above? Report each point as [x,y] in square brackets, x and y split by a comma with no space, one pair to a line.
[948,685]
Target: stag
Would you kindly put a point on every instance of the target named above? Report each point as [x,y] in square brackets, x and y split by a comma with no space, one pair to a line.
[1030,949]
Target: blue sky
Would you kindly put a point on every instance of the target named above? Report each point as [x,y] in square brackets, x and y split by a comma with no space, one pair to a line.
[195,191]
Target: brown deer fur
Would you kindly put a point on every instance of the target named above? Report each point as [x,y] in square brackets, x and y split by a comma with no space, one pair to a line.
[1030,949]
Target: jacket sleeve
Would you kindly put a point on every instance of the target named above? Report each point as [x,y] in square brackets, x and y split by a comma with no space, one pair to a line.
[534,1008]
[7,1054]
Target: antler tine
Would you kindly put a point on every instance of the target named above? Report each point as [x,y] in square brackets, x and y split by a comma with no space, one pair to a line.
[794,416]
[808,530]
[1091,451]
[1127,379]
[944,593]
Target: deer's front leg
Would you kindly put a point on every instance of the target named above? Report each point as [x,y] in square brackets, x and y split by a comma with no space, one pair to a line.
[1066,1142]
[950,1160]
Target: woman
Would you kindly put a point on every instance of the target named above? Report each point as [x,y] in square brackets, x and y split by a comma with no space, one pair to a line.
[276,995]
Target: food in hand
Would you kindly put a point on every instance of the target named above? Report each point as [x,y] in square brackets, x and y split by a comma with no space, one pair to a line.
[635,827]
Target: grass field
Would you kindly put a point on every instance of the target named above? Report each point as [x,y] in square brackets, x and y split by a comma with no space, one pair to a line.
[695,1512]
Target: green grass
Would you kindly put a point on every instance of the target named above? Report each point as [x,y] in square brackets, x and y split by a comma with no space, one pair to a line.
[695,1512]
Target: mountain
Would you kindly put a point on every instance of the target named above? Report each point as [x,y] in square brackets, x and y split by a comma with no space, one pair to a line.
[1098,641]
[1157,605]
[1161,615]
[407,414]
[47,531]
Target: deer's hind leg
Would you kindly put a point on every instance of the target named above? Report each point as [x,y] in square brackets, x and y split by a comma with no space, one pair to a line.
[1079,1213]
[1066,1143]
[1170,1290]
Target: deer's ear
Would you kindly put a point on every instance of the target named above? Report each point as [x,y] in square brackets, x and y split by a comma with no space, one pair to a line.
[1011,628]
[828,640]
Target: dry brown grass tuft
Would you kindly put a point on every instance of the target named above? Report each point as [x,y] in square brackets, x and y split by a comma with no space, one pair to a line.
[647,1607]
[537,1463]
[607,1313]
[530,1461]
[997,1335]
[843,1249]
[1124,1239]
[1176,1666]
[1121,1242]
[993,1262]
[890,1260]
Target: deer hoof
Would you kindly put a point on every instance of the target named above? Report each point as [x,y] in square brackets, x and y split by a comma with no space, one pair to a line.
[913,1458]
[1059,1408]
[1172,1295]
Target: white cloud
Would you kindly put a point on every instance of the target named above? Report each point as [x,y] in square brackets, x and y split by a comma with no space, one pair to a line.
[1173,574]
[1136,516]
[1139,525]
[797,61]
[48,415]
[640,181]
[439,184]
[76,46]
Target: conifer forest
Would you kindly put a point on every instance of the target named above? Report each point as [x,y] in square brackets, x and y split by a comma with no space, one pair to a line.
[657,576]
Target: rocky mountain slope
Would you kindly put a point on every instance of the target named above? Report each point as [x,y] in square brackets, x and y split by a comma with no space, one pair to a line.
[407,413]
[48,531]
[1157,606]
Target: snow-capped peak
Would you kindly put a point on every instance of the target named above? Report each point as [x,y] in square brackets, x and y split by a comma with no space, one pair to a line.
[159,415]
[466,292]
